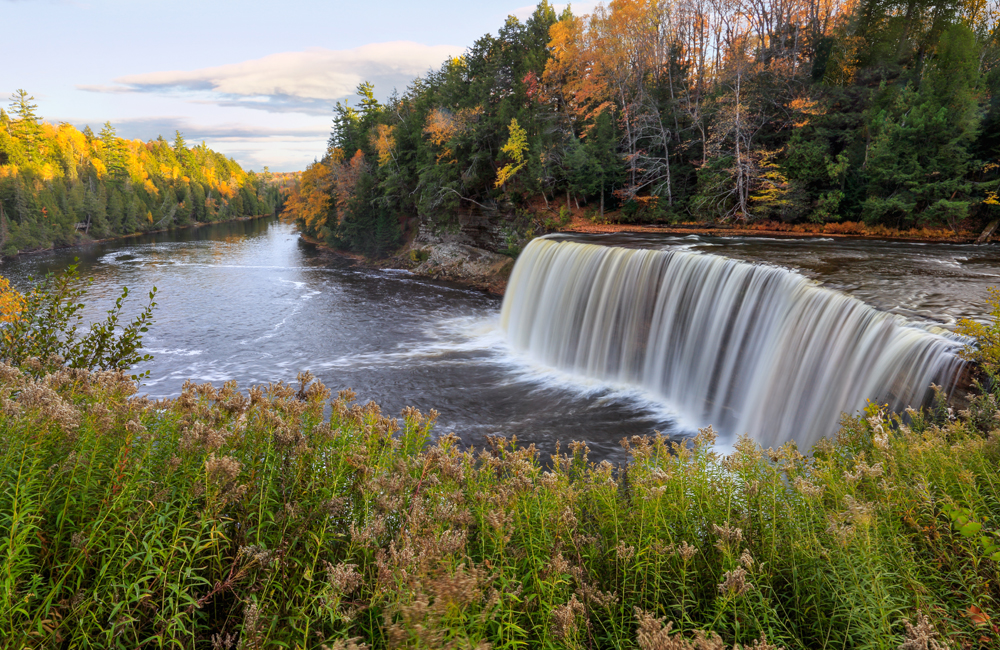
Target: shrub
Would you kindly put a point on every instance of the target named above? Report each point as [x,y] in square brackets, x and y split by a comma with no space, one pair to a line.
[42,330]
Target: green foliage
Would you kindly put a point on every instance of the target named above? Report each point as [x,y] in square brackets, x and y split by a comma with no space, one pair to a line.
[368,226]
[890,115]
[45,335]
[60,186]
[985,349]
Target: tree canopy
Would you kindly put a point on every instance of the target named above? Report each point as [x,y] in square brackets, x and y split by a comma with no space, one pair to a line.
[59,185]
[879,111]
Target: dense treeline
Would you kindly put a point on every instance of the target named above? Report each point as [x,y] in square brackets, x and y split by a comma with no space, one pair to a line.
[59,185]
[880,111]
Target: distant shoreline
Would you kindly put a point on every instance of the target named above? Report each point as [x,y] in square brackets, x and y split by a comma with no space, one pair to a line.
[89,242]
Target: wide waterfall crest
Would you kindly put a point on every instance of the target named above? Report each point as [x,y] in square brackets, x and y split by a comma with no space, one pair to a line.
[745,347]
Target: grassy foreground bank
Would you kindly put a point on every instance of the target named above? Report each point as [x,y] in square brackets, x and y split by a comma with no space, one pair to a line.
[221,520]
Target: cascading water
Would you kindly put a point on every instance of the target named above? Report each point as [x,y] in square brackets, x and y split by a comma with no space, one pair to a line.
[744,347]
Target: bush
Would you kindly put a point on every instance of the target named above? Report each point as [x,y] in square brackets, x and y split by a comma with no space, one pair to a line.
[43,333]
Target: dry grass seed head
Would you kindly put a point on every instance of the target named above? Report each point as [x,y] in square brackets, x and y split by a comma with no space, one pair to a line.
[728,535]
[807,489]
[343,578]
[251,627]
[624,552]
[686,551]
[222,470]
[760,644]
[706,438]
[921,636]
[564,618]
[652,634]
[50,405]
[353,643]
[734,583]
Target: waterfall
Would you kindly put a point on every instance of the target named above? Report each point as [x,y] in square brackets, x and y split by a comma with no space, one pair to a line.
[748,348]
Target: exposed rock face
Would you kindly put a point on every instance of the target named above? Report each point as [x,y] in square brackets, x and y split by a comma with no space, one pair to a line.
[463,263]
[472,229]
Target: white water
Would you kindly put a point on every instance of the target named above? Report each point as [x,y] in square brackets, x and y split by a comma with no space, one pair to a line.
[744,347]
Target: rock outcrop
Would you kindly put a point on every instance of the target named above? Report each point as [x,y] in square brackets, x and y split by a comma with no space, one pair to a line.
[462,263]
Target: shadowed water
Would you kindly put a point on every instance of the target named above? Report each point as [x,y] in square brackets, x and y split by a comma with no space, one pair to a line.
[249,301]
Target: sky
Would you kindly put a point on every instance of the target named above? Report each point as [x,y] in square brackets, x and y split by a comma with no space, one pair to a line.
[255,80]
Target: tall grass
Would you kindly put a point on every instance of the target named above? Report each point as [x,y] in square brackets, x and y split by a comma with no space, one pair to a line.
[221,520]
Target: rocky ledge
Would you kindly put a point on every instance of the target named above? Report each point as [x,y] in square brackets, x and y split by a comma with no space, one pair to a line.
[461,263]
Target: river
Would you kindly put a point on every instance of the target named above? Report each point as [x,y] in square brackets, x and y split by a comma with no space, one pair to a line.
[250,301]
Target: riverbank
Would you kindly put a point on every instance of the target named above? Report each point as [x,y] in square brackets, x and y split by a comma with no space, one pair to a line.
[446,259]
[845,230]
[473,267]
[91,242]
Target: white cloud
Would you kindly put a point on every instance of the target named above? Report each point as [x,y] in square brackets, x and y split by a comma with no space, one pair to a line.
[307,82]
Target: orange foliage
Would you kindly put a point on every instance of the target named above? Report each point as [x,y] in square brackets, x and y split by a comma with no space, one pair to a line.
[443,125]
[346,177]
[310,197]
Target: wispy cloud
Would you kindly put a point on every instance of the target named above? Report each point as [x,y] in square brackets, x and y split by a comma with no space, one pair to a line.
[147,128]
[282,147]
[305,82]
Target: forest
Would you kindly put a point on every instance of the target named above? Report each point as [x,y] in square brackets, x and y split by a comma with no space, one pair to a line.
[60,186]
[882,112]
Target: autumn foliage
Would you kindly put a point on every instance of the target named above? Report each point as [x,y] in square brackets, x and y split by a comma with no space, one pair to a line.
[790,111]
[59,185]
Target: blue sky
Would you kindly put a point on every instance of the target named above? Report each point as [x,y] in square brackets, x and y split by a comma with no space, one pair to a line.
[255,80]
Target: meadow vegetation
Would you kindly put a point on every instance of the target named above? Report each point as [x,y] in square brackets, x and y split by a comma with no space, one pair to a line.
[278,517]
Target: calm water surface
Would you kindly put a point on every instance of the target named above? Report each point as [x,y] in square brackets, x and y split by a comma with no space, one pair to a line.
[249,301]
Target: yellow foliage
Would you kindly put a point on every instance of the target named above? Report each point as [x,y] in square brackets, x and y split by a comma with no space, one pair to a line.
[384,141]
[992,199]
[310,197]
[149,216]
[11,302]
[150,188]
[516,145]
[99,168]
